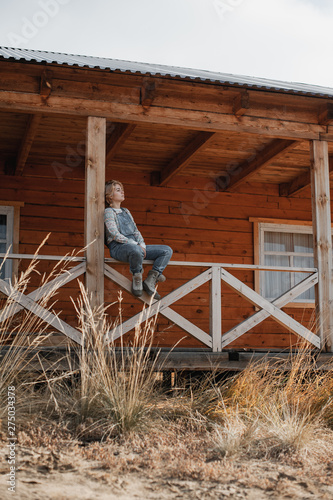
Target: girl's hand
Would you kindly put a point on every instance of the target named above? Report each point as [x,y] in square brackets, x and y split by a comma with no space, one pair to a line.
[144,251]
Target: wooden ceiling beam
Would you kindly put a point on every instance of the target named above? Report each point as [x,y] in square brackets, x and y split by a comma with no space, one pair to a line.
[148,92]
[325,116]
[45,87]
[241,104]
[193,119]
[178,164]
[300,183]
[119,134]
[243,172]
[26,144]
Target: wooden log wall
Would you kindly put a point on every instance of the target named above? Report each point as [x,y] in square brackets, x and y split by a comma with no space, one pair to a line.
[199,223]
[53,207]
[187,213]
[203,225]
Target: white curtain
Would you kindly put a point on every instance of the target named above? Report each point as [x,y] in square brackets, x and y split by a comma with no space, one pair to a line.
[288,250]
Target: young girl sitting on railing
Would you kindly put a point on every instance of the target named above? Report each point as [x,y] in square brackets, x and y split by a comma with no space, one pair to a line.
[126,243]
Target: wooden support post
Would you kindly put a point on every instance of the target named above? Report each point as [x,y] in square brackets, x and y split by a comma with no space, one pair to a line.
[322,240]
[94,208]
[215,319]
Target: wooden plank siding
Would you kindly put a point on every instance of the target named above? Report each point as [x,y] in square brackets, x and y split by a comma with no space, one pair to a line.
[199,223]
[199,162]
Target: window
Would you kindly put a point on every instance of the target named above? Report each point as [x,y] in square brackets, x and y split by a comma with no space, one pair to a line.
[288,246]
[6,239]
[283,243]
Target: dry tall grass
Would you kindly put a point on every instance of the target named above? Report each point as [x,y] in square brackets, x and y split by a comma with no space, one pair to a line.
[111,391]
[281,409]
[21,332]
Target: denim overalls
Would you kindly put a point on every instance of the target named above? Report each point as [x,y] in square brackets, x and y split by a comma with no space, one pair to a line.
[126,225]
[134,254]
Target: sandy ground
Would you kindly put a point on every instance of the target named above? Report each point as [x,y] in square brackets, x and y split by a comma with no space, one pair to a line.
[113,472]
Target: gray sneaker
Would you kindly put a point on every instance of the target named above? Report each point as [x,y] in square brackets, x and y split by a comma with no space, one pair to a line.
[137,289]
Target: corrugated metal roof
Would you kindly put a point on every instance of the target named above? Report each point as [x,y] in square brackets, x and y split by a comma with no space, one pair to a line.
[159,69]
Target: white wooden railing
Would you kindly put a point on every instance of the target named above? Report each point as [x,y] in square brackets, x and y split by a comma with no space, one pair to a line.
[29,301]
[216,273]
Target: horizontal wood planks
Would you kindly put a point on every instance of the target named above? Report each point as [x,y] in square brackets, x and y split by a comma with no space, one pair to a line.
[175,93]
[213,227]
[188,213]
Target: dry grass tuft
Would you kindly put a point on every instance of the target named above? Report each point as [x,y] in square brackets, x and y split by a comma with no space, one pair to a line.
[21,332]
[113,391]
[279,412]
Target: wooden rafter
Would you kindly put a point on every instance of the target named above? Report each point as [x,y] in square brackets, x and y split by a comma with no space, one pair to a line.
[253,165]
[118,136]
[148,92]
[300,183]
[45,84]
[184,157]
[296,185]
[326,114]
[241,103]
[25,147]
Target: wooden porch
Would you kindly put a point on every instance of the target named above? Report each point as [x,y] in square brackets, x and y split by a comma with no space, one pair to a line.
[215,339]
[204,163]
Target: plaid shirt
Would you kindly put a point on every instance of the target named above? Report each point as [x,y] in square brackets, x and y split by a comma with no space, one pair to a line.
[111,226]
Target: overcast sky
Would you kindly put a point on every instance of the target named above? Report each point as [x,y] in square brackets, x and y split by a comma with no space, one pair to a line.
[289,40]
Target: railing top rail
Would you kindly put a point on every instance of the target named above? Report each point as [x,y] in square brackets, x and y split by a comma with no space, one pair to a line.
[230,266]
[41,257]
[250,267]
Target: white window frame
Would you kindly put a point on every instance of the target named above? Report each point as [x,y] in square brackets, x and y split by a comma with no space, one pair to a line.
[282,228]
[9,212]
[301,226]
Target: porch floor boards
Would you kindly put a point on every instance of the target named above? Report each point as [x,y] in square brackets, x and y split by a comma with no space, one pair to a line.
[55,359]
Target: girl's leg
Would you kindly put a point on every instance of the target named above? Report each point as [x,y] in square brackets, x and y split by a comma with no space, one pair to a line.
[126,252]
[160,254]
